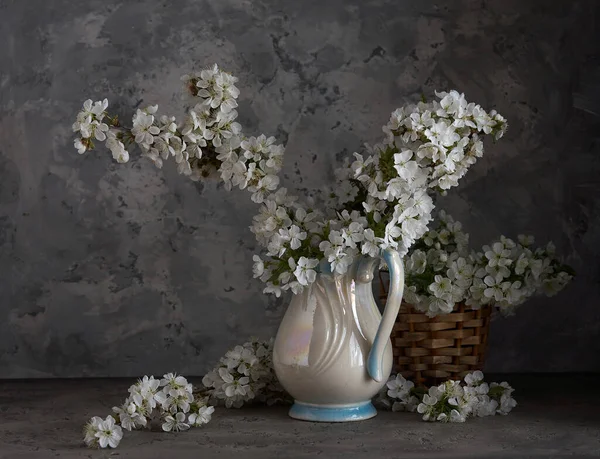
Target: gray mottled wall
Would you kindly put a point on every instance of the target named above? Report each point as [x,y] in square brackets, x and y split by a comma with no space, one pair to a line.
[110,270]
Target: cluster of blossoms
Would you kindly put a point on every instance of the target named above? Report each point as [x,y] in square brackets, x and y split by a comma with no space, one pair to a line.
[438,269]
[381,199]
[443,138]
[451,401]
[245,374]
[508,273]
[441,272]
[169,401]
[208,142]
[91,126]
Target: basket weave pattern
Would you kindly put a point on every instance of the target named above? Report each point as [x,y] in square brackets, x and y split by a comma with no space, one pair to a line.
[429,351]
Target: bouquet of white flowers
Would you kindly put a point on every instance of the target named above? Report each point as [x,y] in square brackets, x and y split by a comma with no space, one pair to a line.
[381,199]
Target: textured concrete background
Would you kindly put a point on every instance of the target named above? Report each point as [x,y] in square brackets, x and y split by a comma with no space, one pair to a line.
[110,270]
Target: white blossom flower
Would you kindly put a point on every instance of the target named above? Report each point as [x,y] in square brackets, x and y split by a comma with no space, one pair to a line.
[474,379]
[436,306]
[116,147]
[248,360]
[144,393]
[441,287]
[296,236]
[148,385]
[521,264]
[203,416]
[369,246]
[525,240]
[551,286]
[233,358]
[89,121]
[87,114]
[498,255]
[512,291]
[233,386]
[417,262]
[399,388]
[99,130]
[175,423]
[427,407]
[305,272]
[462,272]
[272,288]
[109,434]
[506,402]
[92,427]
[494,287]
[144,128]
[259,266]
[353,234]
[485,406]
[172,380]
[129,416]
[174,400]
[455,416]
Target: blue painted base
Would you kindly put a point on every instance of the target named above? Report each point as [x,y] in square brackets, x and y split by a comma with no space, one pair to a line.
[332,413]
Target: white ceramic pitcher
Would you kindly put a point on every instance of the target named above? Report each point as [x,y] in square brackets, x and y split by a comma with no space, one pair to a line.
[333,352]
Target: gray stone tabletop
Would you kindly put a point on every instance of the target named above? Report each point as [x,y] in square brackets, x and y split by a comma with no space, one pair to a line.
[557,416]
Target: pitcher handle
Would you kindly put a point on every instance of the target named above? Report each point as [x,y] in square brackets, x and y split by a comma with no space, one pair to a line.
[392,306]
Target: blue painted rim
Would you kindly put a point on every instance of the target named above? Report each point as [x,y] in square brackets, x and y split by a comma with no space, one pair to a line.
[332,413]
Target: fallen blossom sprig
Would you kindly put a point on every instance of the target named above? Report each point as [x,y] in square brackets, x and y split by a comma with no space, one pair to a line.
[168,402]
[452,401]
[244,375]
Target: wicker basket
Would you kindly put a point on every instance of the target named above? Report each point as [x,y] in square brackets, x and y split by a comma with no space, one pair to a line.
[429,351]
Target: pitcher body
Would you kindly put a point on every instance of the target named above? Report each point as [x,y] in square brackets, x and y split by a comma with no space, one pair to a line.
[332,352]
